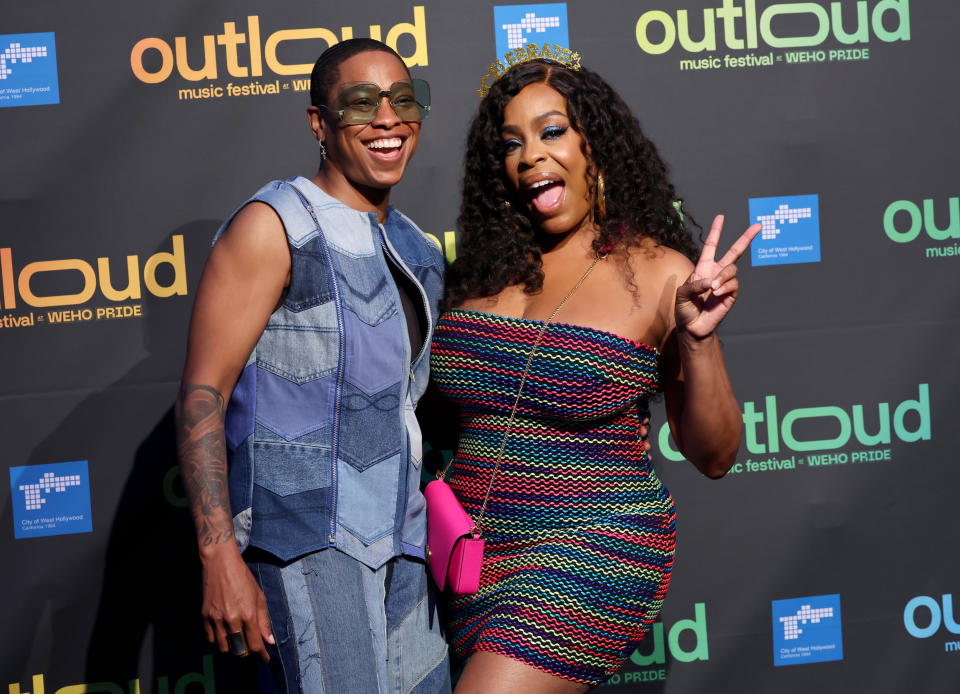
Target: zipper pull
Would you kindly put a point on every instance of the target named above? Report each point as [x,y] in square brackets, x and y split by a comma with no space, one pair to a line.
[412,377]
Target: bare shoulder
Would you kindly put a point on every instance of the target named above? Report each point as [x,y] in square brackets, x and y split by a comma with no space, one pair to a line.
[509,301]
[659,271]
[253,249]
[242,284]
[659,264]
[255,227]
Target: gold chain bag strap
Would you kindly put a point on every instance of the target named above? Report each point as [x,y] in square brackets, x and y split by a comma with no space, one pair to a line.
[454,539]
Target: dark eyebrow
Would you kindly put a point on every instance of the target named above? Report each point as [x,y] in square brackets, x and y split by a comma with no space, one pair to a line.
[546,115]
[542,116]
[350,85]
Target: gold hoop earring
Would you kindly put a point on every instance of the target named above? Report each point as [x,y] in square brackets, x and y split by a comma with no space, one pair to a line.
[601,196]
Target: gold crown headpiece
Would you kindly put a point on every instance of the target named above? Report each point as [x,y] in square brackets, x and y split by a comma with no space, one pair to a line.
[524,54]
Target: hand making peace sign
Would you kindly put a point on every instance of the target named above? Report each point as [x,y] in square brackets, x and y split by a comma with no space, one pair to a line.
[710,291]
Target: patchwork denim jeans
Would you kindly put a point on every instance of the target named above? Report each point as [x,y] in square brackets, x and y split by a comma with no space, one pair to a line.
[343,628]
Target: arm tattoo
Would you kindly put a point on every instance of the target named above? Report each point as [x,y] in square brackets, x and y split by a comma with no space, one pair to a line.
[201,448]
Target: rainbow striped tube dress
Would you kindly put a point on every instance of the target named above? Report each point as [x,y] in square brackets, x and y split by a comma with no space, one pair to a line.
[579,531]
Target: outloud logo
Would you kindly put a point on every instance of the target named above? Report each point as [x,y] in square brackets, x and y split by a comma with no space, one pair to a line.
[18,283]
[777,429]
[245,53]
[742,26]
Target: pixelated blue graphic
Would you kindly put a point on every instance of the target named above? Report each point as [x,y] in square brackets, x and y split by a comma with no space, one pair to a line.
[518,25]
[807,630]
[791,230]
[28,70]
[51,499]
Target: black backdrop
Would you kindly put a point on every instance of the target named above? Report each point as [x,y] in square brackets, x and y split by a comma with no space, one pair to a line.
[121,167]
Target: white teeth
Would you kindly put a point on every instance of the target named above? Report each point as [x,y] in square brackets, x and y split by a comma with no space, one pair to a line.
[541,184]
[388,143]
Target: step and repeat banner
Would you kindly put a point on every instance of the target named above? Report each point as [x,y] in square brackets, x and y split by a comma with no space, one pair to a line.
[825,561]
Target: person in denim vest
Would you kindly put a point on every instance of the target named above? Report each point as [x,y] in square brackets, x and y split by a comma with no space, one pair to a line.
[296,432]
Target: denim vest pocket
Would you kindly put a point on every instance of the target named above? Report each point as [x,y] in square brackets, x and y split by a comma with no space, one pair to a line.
[293,410]
[347,231]
[310,279]
[290,526]
[370,425]
[300,346]
[291,497]
[289,468]
[365,288]
[375,354]
[368,498]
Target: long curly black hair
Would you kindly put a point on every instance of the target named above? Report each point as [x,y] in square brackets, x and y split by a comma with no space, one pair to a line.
[497,246]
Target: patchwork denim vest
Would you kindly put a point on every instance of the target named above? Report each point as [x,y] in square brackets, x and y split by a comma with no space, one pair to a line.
[323,446]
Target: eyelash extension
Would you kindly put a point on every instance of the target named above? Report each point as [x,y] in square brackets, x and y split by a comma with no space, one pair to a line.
[551,132]
[507,145]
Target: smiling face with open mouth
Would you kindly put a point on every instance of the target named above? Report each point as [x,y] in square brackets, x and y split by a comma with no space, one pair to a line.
[544,159]
[370,156]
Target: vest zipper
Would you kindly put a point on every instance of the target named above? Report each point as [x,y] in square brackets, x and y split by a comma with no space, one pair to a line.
[341,356]
[335,449]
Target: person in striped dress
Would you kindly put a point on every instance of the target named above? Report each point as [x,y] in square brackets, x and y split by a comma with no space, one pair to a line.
[571,242]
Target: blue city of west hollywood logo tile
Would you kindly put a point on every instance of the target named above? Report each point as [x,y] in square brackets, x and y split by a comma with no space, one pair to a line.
[518,25]
[50,499]
[791,230]
[28,70]
[807,630]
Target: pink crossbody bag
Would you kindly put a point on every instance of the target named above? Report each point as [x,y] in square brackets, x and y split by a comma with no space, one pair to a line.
[454,541]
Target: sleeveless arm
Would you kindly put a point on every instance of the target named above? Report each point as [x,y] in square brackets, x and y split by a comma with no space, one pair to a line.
[703,413]
[241,285]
